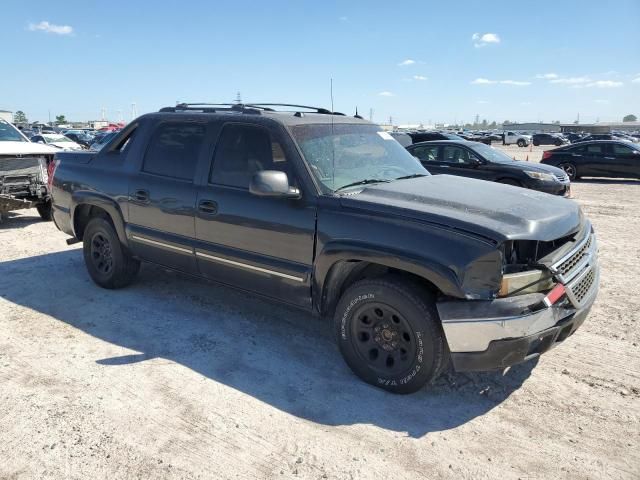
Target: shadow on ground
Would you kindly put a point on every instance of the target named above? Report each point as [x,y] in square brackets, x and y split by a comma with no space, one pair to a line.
[13,220]
[278,355]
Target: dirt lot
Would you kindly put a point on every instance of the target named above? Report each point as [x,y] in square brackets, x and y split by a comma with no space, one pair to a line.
[177,378]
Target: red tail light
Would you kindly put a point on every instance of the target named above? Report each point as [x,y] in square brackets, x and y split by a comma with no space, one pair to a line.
[546,155]
[51,171]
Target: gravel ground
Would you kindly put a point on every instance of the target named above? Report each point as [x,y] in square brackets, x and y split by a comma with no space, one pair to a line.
[178,378]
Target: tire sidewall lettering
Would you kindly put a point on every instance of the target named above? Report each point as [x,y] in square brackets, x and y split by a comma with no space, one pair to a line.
[347,312]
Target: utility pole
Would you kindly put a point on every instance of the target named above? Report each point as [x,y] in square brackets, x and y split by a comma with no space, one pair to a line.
[390,120]
[134,111]
[238,98]
[103,113]
[371,115]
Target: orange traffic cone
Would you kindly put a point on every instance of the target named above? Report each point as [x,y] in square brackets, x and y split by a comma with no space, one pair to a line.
[531,147]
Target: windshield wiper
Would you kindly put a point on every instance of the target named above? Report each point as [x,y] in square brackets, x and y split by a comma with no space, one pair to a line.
[413,175]
[366,181]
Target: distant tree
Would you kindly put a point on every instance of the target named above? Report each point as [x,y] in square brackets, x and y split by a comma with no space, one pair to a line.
[493,124]
[19,117]
[556,122]
[60,119]
[630,118]
[506,122]
[484,123]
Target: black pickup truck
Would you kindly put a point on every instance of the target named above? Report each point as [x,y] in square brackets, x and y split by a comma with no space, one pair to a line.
[329,213]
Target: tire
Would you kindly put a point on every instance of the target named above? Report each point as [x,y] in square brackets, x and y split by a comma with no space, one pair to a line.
[536,144]
[389,333]
[558,143]
[521,143]
[509,181]
[570,169]
[107,261]
[44,210]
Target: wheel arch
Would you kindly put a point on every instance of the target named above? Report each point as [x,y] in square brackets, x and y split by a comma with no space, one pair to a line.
[340,265]
[87,205]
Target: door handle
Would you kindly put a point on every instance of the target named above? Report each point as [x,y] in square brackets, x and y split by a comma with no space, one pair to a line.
[141,195]
[609,158]
[208,207]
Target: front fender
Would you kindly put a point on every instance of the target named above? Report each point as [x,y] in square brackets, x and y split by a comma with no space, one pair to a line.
[104,202]
[343,252]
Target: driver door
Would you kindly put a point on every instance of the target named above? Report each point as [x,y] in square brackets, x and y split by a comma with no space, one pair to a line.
[260,244]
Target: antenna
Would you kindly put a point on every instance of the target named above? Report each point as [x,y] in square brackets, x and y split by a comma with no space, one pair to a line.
[333,146]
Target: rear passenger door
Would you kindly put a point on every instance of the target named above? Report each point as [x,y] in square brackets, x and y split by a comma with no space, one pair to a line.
[260,244]
[162,195]
[594,162]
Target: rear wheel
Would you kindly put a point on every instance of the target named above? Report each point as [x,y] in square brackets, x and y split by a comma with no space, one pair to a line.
[389,333]
[108,263]
[570,170]
[44,210]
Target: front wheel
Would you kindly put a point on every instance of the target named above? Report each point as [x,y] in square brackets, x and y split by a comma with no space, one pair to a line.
[521,143]
[44,210]
[108,263]
[389,333]
[570,170]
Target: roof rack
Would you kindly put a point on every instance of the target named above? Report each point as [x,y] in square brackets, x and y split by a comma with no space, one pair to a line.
[252,108]
[267,106]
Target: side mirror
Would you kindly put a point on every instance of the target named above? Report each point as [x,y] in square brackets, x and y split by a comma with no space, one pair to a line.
[272,183]
[475,161]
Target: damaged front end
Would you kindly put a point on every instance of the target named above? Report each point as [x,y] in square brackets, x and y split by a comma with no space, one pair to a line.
[23,181]
[546,292]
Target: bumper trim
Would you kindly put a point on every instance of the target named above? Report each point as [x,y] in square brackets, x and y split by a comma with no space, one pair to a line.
[504,353]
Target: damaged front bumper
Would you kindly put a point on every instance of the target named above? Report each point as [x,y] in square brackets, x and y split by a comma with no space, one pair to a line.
[495,334]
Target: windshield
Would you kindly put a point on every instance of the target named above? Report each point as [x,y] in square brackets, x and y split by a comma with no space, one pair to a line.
[491,154]
[343,154]
[8,133]
[56,138]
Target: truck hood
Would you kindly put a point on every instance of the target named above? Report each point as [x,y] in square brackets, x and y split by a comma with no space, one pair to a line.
[25,148]
[494,211]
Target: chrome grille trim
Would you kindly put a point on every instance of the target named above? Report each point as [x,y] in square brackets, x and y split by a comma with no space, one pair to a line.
[583,287]
[574,262]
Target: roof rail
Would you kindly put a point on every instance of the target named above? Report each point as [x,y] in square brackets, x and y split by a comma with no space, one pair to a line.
[254,108]
[211,108]
[267,106]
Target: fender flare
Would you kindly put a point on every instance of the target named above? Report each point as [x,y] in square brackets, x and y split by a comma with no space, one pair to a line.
[330,267]
[102,201]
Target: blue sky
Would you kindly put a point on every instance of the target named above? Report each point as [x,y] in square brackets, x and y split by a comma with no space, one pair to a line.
[416,61]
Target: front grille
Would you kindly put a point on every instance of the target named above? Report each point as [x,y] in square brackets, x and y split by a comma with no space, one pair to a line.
[569,266]
[561,177]
[579,290]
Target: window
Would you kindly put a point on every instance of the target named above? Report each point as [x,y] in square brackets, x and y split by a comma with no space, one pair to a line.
[173,151]
[622,150]
[455,155]
[242,151]
[426,154]
[594,149]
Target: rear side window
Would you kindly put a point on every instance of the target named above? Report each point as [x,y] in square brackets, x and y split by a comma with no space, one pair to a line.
[173,151]
[242,151]
[597,149]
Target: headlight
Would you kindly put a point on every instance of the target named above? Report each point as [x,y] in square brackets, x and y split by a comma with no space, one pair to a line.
[540,176]
[530,281]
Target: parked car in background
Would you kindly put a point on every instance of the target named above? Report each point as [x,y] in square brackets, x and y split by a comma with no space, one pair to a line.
[548,139]
[603,158]
[403,138]
[573,137]
[598,136]
[56,140]
[80,138]
[520,139]
[474,160]
[428,136]
[23,172]
[101,140]
[330,214]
